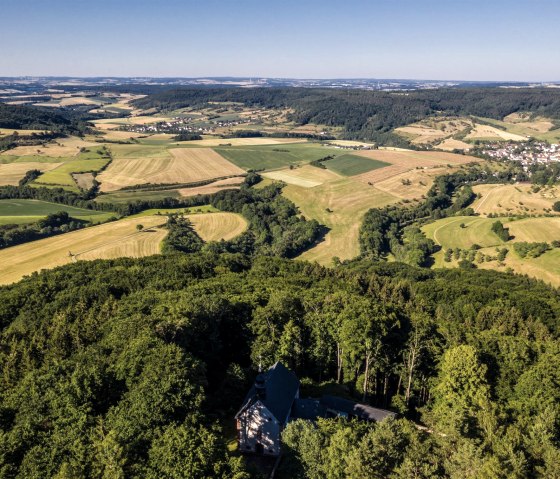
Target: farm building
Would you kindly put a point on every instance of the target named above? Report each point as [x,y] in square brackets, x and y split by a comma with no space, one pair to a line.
[274,400]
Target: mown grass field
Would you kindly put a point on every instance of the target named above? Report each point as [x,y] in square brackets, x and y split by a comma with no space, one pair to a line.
[350,165]
[307,176]
[339,205]
[448,233]
[275,156]
[514,199]
[122,197]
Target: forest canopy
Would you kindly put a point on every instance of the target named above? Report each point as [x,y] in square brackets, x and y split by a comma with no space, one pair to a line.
[134,368]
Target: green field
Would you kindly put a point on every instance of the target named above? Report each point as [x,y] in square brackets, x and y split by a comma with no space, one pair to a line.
[350,165]
[122,197]
[271,157]
[31,158]
[187,211]
[448,233]
[29,211]
[87,161]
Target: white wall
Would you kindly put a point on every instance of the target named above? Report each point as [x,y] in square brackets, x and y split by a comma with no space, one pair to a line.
[259,426]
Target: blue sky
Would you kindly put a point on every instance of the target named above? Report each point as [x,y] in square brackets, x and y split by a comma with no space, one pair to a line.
[429,39]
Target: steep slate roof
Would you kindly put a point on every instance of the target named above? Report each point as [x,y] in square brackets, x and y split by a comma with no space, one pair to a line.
[281,386]
[355,409]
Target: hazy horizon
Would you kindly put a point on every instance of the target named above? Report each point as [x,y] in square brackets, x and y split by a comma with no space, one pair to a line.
[502,41]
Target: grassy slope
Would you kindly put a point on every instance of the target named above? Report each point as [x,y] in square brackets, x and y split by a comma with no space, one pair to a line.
[348,201]
[448,234]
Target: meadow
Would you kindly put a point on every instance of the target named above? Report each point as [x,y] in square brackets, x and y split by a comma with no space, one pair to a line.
[514,199]
[339,205]
[28,211]
[275,157]
[350,165]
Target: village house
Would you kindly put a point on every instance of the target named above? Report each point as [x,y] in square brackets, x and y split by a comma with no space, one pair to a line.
[274,400]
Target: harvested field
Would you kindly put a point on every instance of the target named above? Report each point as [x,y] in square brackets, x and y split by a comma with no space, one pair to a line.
[84,180]
[539,124]
[218,226]
[181,165]
[241,141]
[78,100]
[11,173]
[514,199]
[228,183]
[340,205]
[451,144]
[535,230]
[61,147]
[402,161]
[490,132]
[306,176]
[21,260]
[412,184]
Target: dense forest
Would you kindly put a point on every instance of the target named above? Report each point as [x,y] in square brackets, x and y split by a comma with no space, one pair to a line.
[134,368]
[369,115]
[35,118]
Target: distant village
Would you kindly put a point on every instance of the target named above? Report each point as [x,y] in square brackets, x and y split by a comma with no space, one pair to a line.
[184,125]
[527,153]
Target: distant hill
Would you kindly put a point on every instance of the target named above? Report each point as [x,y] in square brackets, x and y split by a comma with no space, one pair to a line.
[33,118]
[369,115]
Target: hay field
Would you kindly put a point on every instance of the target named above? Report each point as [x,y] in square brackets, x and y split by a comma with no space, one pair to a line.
[11,173]
[306,176]
[535,128]
[402,161]
[218,226]
[227,183]
[240,141]
[517,199]
[61,147]
[21,260]
[420,180]
[534,230]
[489,132]
[78,100]
[181,165]
[347,201]
[433,130]
[451,144]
